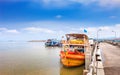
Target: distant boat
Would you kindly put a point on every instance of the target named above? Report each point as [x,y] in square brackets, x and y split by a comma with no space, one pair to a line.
[72,53]
[53,42]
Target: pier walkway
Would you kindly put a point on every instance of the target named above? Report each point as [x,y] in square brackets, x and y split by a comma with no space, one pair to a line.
[111,58]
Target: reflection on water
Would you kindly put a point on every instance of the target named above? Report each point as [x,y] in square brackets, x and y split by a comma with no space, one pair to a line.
[72,71]
[27,58]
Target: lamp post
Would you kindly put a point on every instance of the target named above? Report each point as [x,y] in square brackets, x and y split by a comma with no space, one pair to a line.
[97,33]
[114,33]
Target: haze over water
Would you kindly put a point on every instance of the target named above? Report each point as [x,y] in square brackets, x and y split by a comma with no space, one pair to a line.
[32,58]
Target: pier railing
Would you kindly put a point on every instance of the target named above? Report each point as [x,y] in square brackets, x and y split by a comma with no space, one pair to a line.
[95,66]
[113,43]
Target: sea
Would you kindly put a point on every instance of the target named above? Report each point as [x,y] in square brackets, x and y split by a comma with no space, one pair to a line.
[33,58]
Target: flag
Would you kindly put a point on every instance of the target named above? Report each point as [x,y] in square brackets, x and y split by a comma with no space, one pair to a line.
[85,31]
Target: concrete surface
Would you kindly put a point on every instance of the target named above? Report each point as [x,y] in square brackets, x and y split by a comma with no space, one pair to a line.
[111,58]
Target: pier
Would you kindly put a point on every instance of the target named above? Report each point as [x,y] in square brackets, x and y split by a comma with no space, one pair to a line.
[103,59]
[111,55]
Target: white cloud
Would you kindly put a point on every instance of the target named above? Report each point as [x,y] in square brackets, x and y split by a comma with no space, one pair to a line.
[13,0]
[67,1]
[8,31]
[58,16]
[58,3]
[105,28]
[55,29]
[102,3]
[38,30]
[3,29]
[106,31]
[117,25]
[12,31]
[109,3]
[113,17]
[63,3]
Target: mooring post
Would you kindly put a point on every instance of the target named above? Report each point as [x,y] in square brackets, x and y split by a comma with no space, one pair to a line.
[85,72]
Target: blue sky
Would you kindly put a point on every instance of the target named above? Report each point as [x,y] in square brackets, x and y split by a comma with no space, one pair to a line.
[43,19]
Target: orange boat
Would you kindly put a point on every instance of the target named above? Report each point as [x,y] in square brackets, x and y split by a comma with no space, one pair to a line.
[72,53]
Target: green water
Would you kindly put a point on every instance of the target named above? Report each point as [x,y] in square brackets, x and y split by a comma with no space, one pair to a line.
[32,58]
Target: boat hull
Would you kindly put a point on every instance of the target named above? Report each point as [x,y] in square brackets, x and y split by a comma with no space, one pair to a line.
[68,62]
[72,59]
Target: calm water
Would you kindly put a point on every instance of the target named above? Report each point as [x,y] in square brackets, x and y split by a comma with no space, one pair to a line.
[32,58]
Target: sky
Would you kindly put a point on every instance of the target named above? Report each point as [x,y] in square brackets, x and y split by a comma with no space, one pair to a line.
[43,19]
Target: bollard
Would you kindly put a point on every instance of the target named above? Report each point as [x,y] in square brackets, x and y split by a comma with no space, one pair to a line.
[85,72]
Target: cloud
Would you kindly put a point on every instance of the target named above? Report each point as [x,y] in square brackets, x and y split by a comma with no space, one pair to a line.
[9,31]
[105,28]
[3,29]
[63,3]
[109,3]
[38,30]
[54,29]
[12,0]
[106,31]
[56,3]
[12,31]
[113,17]
[117,25]
[62,28]
[58,16]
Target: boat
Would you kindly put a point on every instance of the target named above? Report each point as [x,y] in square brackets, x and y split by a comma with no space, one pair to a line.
[53,42]
[73,50]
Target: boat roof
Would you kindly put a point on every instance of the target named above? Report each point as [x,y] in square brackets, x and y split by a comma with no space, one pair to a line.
[77,35]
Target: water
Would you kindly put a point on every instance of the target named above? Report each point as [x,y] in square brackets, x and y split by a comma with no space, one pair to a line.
[32,58]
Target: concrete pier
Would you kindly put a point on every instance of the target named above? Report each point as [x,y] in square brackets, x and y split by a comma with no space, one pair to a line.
[111,58]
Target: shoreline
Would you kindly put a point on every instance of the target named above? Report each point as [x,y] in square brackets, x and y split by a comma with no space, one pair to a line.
[37,41]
